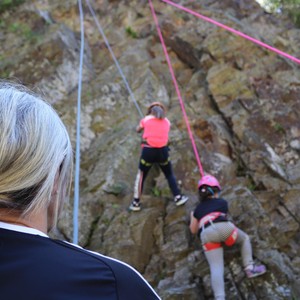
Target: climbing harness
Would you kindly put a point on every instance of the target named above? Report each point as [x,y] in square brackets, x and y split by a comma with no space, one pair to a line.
[208,220]
[143,162]
[282,53]
[165,162]
[232,238]
[230,241]
[211,246]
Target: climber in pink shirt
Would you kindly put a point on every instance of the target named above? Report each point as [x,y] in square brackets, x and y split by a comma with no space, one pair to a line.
[156,131]
[155,127]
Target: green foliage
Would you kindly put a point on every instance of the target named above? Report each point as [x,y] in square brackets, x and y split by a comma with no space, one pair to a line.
[156,192]
[291,8]
[9,4]
[30,35]
[2,24]
[15,27]
[131,32]
[279,128]
[105,221]
[252,187]
[288,7]
[4,74]
[5,66]
[24,30]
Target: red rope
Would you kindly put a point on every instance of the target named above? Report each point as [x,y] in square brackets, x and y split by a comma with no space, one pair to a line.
[297,60]
[177,88]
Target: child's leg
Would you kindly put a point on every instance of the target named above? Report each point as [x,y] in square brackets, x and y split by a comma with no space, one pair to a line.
[246,248]
[166,166]
[213,234]
[139,182]
[216,264]
[144,167]
[168,172]
[250,269]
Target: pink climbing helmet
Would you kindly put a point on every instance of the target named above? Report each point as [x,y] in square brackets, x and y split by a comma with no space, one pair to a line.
[209,180]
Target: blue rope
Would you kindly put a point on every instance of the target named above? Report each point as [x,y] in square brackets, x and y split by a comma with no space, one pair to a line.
[77,154]
[114,58]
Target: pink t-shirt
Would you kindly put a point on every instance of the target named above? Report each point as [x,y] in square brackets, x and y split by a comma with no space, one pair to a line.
[156,131]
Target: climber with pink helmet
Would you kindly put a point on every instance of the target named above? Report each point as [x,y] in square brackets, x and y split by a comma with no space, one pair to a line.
[209,221]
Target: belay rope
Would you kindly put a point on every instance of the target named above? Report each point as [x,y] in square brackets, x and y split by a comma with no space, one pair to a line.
[177,89]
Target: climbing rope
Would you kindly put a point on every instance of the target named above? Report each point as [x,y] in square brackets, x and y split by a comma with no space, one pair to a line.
[177,88]
[77,154]
[114,57]
[234,31]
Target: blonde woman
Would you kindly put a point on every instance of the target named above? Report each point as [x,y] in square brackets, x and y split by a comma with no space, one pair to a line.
[35,175]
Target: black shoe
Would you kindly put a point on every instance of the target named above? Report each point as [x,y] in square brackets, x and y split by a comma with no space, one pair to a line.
[135,206]
[180,199]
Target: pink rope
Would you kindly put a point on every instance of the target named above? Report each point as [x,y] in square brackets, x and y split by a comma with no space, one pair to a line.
[234,31]
[177,89]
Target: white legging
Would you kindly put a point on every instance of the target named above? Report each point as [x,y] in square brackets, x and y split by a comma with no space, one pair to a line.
[216,233]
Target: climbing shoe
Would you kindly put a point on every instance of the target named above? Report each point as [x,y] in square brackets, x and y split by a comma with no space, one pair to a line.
[253,271]
[135,206]
[180,199]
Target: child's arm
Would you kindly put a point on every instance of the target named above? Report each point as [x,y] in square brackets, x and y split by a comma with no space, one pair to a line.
[193,224]
[139,129]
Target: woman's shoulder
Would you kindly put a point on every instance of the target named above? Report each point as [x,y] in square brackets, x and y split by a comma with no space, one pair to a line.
[125,275]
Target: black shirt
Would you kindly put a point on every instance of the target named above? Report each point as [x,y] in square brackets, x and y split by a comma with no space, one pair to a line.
[34,267]
[210,205]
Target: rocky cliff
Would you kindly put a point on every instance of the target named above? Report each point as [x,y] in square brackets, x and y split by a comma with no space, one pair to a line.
[243,106]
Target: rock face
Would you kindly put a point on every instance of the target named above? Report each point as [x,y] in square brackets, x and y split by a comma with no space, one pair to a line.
[242,102]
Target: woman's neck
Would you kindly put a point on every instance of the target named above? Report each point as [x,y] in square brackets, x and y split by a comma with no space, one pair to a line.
[34,220]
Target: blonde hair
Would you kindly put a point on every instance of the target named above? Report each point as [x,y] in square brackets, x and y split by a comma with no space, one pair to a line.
[35,152]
